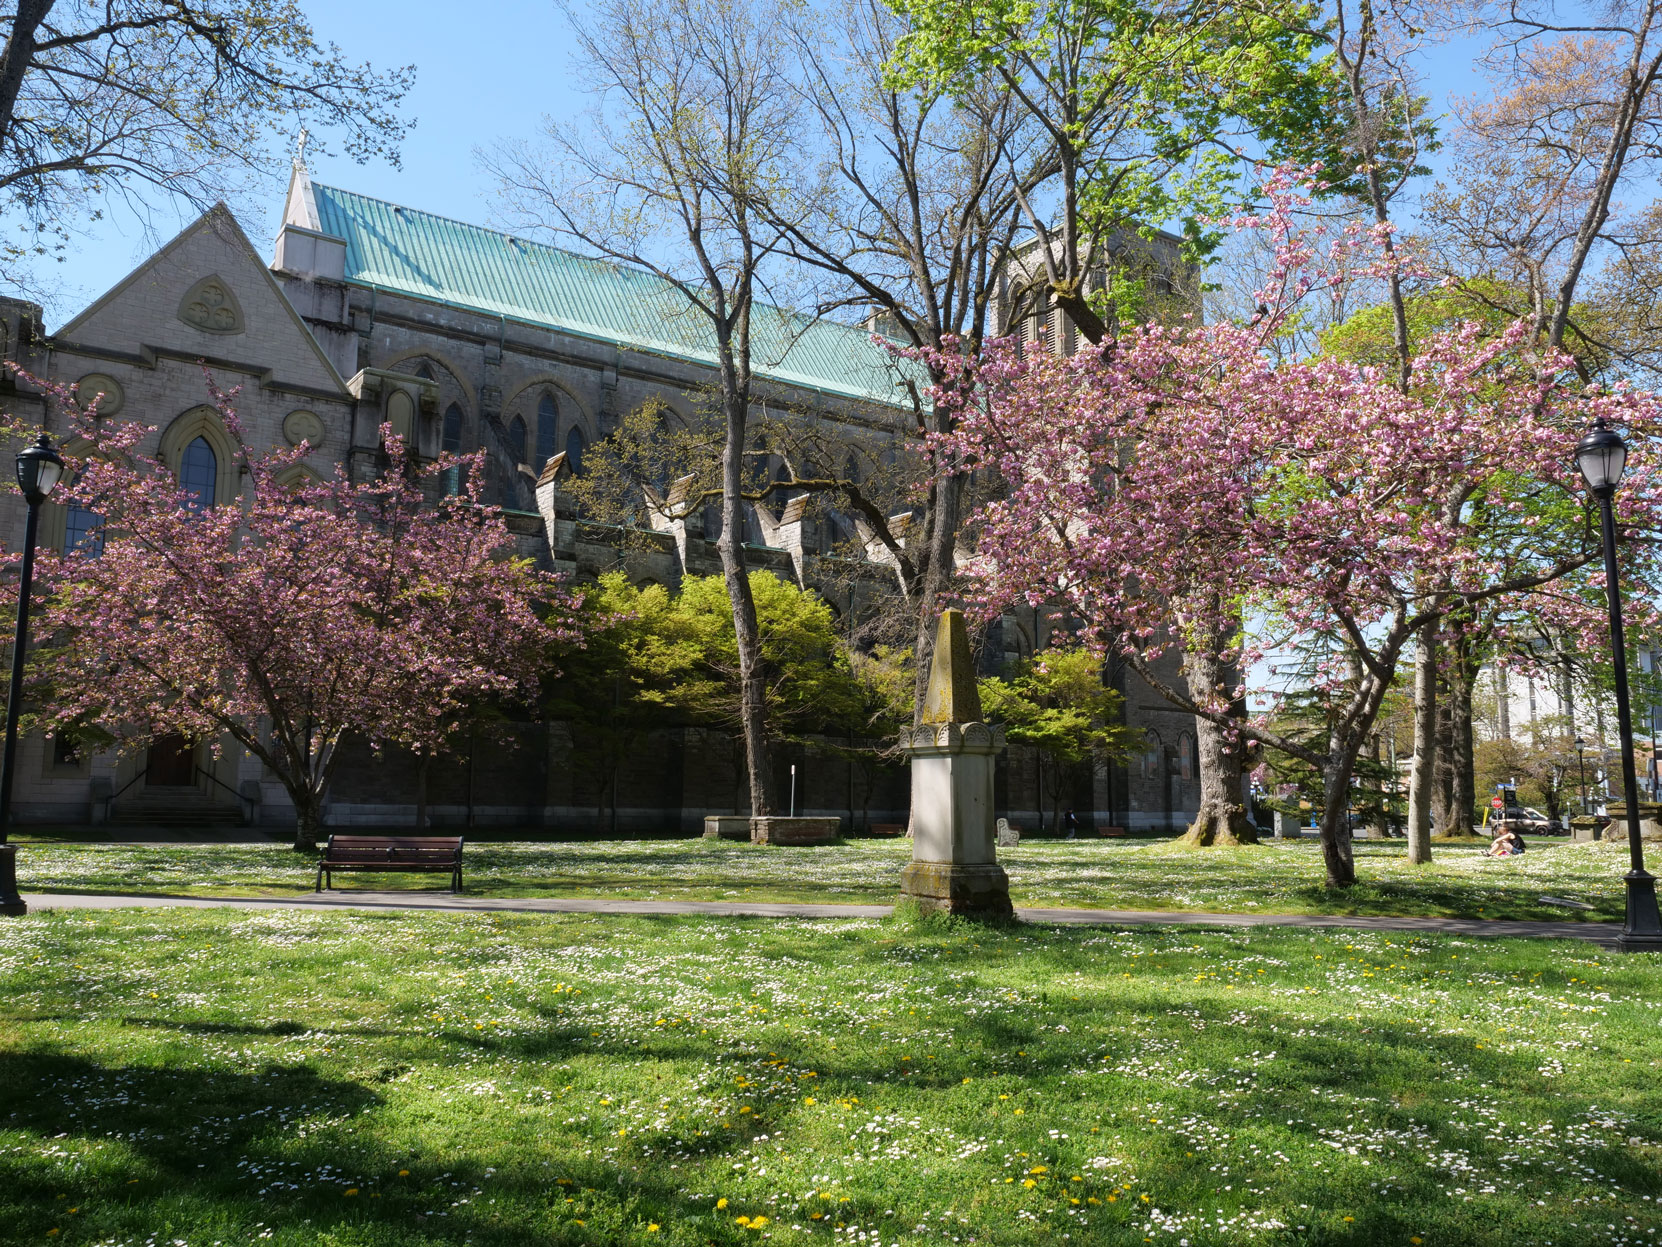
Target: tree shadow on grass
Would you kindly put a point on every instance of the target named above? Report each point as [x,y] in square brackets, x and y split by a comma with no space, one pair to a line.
[201,1151]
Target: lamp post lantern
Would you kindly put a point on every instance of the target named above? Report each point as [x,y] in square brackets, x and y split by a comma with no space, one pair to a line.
[1581,769]
[1602,457]
[38,471]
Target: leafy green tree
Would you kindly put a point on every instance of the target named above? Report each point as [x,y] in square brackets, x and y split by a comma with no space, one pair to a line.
[809,686]
[1057,703]
[656,659]
[638,663]
[1145,108]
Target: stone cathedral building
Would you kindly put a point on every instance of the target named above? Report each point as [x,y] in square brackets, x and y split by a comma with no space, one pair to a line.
[464,338]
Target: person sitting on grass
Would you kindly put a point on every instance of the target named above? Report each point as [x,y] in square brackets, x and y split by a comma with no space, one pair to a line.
[1509,843]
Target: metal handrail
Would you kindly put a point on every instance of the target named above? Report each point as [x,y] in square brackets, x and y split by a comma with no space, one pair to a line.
[111,798]
[143,774]
[213,780]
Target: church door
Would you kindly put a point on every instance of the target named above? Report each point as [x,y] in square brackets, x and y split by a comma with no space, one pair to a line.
[172,763]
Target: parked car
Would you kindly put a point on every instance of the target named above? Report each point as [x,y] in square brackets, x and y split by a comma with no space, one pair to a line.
[1532,822]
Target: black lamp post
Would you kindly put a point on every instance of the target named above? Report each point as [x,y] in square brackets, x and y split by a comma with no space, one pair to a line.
[1602,456]
[1581,769]
[38,470]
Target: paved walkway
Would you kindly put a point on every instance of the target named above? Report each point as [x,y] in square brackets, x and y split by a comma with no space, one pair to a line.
[1597,932]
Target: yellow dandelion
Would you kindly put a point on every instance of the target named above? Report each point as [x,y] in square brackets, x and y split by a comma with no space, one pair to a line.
[351,1190]
[722,1202]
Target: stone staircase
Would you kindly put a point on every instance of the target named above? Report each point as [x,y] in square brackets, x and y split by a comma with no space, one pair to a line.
[186,810]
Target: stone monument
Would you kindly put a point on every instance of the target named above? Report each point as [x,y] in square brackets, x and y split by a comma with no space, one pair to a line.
[954,857]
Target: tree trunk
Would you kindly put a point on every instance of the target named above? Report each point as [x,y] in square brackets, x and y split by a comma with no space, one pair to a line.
[1462,688]
[1443,818]
[1222,818]
[748,633]
[1425,737]
[422,768]
[18,56]
[308,820]
[1337,854]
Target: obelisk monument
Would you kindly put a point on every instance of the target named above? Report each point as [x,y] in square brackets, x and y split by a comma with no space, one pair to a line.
[954,846]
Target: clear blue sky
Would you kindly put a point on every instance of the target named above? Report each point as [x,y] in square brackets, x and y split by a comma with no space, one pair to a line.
[485,71]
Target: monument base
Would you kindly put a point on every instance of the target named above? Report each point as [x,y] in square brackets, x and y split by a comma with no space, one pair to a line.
[727,826]
[771,829]
[979,891]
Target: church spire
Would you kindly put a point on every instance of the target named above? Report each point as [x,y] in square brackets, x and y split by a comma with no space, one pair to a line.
[300,208]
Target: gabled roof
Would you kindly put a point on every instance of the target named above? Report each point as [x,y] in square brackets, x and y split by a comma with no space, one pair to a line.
[389,247]
[138,310]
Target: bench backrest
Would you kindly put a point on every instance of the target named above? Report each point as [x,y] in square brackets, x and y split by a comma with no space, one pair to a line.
[394,848]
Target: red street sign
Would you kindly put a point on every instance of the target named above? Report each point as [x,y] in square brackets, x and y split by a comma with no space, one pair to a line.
[1497,803]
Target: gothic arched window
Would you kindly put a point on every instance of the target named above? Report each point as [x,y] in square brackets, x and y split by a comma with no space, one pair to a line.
[516,439]
[199,474]
[452,444]
[574,450]
[548,418]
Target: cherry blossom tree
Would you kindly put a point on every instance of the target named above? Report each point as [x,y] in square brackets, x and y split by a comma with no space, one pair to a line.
[1165,490]
[314,611]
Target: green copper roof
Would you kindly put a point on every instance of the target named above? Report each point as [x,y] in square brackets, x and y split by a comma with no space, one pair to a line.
[433,257]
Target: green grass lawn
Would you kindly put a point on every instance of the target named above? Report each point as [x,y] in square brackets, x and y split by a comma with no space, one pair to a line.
[1282,877]
[191,1078]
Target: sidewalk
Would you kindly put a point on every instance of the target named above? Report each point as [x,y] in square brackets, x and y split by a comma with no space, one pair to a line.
[1597,932]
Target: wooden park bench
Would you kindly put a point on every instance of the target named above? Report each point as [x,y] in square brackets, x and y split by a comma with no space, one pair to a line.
[413,854]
